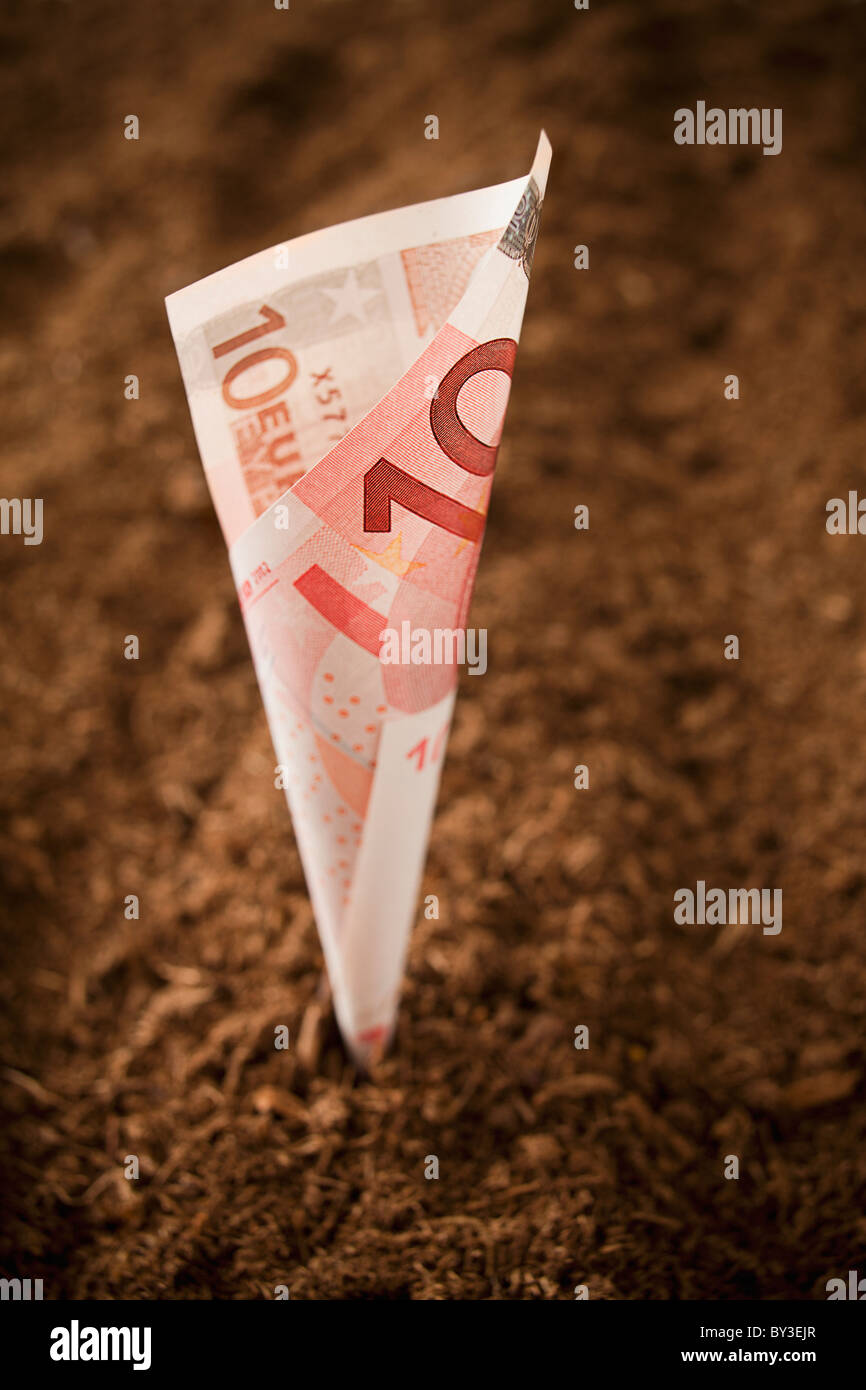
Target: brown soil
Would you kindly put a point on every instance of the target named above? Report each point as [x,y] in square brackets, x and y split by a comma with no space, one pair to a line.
[155,777]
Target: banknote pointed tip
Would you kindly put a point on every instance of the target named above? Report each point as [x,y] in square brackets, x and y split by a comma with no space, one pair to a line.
[367,1050]
[541,162]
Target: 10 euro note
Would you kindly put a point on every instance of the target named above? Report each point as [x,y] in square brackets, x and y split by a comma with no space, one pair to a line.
[347,391]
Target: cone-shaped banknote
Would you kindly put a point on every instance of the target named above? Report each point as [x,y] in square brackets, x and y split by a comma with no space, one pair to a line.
[347,391]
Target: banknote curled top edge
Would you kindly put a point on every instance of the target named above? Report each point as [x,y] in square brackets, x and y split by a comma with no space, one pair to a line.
[347,391]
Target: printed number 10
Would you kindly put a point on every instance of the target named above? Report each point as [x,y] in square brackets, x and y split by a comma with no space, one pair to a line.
[385,483]
[420,749]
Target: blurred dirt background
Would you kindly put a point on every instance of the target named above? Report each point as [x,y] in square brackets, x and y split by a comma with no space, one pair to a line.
[155,1037]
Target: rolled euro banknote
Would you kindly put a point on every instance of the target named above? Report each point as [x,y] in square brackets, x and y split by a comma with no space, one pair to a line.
[347,391]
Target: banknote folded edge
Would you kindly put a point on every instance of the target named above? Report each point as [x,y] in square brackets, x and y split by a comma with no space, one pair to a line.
[187,308]
[204,298]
